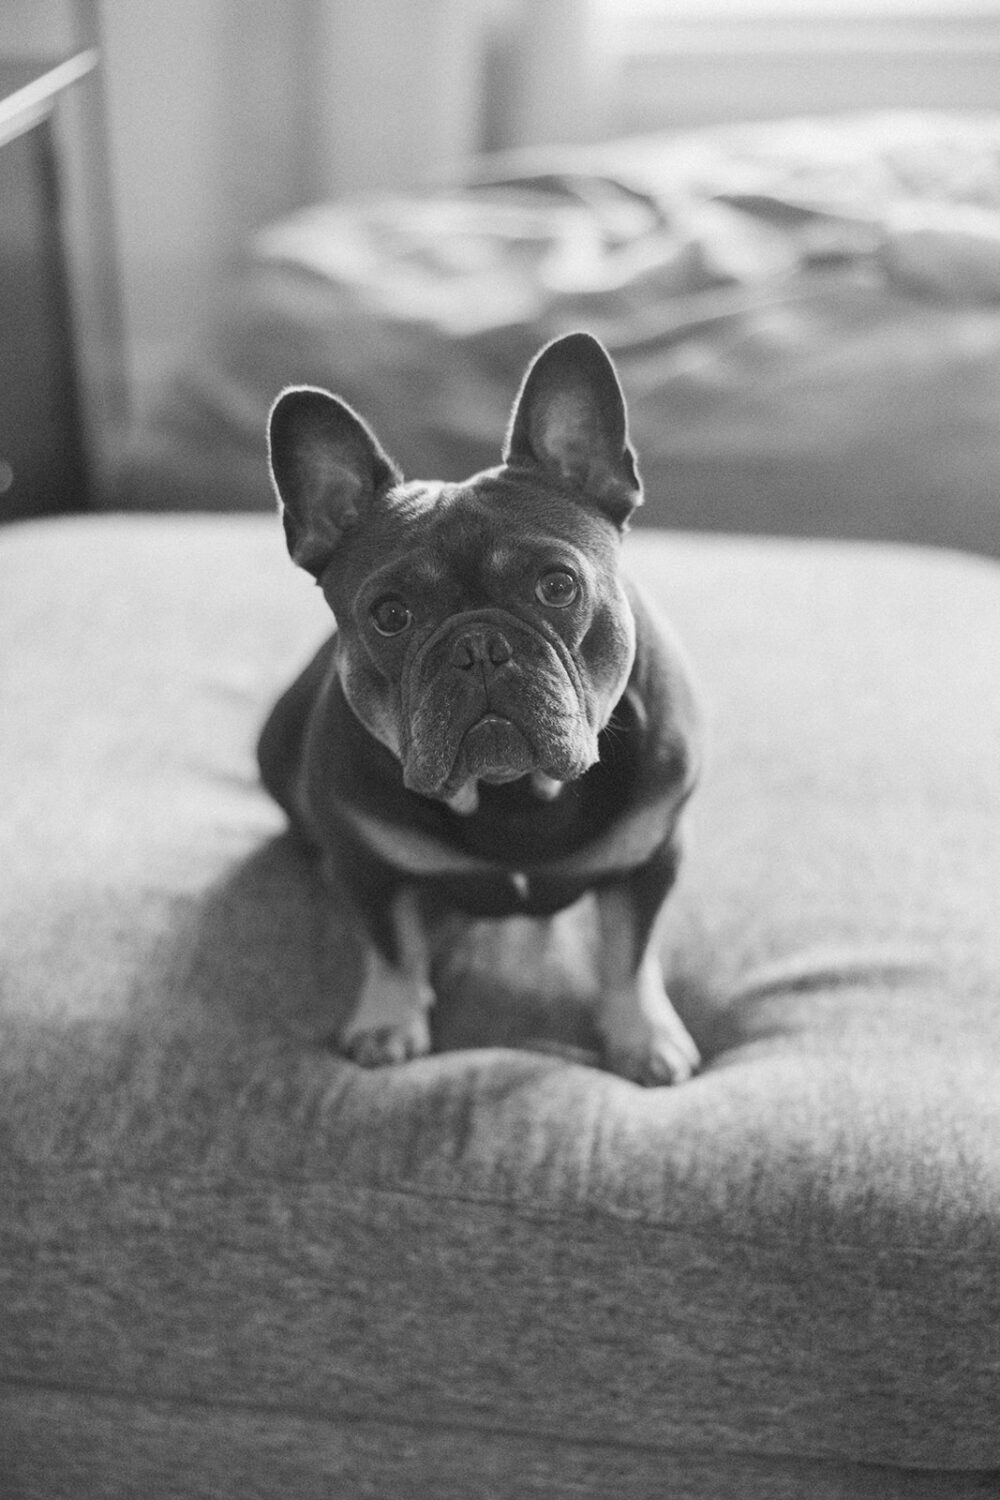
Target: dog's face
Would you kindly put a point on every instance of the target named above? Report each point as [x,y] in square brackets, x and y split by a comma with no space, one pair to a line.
[483,631]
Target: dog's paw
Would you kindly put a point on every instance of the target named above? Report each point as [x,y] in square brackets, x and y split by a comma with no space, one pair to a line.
[644,1037]
[654,1061]
[381,1046]
[390,1022]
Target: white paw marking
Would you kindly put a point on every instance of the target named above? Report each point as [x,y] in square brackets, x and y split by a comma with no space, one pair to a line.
[644,1037]
[389,1024]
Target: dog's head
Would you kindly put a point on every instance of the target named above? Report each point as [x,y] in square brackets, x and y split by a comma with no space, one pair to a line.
[483,631]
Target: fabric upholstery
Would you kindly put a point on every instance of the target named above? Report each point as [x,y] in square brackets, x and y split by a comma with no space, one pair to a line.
[234,1264]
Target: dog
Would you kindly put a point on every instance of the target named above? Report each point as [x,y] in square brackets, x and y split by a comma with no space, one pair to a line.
[499,723]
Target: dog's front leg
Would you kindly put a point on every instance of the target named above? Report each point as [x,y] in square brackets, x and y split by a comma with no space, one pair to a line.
[390,1023]
[644,1037]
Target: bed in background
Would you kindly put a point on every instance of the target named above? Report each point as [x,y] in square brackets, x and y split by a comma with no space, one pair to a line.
[805,314]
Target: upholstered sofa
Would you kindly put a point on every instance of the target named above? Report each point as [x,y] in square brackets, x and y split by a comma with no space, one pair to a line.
[234,1264]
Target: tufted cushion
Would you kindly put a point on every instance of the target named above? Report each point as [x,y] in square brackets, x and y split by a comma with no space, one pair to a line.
[233,1264]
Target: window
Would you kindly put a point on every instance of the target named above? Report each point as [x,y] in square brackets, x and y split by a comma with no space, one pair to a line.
[676,63]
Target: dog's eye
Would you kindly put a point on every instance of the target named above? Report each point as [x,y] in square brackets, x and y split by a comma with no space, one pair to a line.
[557,587]
[390,615]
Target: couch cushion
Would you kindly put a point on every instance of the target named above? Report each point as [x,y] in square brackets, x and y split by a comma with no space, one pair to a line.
[216,1225]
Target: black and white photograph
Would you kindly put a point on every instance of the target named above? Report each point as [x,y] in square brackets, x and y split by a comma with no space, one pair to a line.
[499,749]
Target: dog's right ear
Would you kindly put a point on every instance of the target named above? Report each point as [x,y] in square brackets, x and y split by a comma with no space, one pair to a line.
[327,466]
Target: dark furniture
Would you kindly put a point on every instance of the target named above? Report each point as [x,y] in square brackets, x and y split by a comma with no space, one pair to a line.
[43,447]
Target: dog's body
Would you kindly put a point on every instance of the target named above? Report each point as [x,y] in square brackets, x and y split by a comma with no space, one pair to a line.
[499,723]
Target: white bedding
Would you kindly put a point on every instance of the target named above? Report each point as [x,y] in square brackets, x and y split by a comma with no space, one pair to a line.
[805,314]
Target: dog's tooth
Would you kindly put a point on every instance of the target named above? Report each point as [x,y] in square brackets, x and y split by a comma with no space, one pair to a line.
[519,881]
[545,787]
[466,799]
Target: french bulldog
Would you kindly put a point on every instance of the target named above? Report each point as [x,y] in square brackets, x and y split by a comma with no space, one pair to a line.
[499,723]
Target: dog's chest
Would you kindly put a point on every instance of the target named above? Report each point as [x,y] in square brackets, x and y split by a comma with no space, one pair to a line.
[513,827]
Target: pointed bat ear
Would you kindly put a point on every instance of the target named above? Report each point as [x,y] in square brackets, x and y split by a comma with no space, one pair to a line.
[569,420]
[327,466]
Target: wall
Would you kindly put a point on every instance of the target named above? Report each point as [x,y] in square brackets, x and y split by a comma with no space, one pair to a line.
[204,102]
[223,114]
[397,95]
[227,113]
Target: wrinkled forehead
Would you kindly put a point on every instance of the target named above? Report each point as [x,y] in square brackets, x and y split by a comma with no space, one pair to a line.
[440,528]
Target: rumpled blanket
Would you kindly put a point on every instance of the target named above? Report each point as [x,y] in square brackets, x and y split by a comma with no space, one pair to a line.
[805,315]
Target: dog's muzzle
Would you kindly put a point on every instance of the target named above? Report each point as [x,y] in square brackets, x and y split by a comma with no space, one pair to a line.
[489,698]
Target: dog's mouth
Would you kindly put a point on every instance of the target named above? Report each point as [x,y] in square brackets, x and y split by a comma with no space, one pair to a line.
[495,750]
[491,700]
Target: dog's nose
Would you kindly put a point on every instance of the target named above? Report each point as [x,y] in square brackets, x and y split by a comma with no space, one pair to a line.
[480,646]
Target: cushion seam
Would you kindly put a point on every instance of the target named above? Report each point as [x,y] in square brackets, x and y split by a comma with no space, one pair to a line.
[180,1402]
[218,1185]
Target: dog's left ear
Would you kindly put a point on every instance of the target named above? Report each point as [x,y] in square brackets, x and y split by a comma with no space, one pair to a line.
[569,419]
[327,466]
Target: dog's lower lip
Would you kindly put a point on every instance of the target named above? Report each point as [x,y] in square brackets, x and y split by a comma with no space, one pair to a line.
[495,750]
